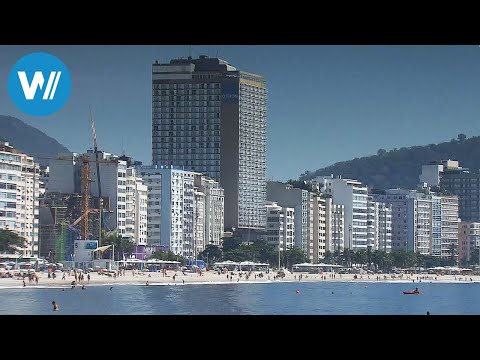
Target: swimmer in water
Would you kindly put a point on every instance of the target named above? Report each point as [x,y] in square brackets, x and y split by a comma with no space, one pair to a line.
[55,306]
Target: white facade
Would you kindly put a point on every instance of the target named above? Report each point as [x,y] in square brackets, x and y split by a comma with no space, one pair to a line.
[214,207]
[136,208]
[19,192]
[177,219]
[318,248]
[199,209]
[335,230]
[383,222]
[449,229]
[353,195]
[301,200]
[280,226]
[152,178]
[185,209]
[411,219]
[423,222]
[379,225]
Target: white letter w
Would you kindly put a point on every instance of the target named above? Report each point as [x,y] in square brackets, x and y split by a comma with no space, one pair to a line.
[30,89]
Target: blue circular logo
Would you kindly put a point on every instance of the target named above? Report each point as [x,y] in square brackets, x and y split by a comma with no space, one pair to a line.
[39,84]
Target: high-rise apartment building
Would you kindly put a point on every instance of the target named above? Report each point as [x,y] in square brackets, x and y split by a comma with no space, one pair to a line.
[456,180]
[334,225]
[302,201]
[211,118]
[468,241]
[185,209]
[423,221]
[354,196]
[19,192]
[280,226]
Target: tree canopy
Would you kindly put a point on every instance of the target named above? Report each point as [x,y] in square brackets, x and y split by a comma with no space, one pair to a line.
[121,245]
[10,241]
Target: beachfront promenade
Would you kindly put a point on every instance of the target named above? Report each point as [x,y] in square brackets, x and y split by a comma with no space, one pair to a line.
[178,278]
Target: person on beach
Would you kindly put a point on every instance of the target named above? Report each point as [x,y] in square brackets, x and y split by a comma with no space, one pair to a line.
[55,306]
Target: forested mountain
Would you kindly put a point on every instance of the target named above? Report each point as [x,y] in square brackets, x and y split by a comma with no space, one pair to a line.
[402,167]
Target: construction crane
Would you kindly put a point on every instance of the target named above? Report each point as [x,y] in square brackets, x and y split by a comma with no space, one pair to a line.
[84,223]
[99,184]
[85,189]
[85,195]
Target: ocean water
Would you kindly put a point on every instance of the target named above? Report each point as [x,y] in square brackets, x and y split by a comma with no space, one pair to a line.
[275,298]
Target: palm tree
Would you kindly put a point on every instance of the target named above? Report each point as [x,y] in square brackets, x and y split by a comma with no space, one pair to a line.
[336,255]
[328,257]
[121,244]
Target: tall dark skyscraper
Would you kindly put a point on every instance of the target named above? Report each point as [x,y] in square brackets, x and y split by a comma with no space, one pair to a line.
[211,118]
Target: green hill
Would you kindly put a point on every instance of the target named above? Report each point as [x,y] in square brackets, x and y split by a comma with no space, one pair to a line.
[28,139]
[402,167]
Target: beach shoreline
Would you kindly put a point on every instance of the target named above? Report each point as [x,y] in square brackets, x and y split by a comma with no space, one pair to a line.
[172,278]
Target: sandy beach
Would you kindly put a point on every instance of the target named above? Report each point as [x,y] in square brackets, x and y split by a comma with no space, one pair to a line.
[212,277]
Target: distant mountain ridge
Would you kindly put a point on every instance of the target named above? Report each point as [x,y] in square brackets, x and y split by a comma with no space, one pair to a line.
[29,140]
[401,168]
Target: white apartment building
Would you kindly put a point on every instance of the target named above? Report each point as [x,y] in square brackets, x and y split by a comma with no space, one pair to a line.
[214,207]
[185,209]
[353,195]
[302,201]
[317,251]
[280,226]
[423,222]
[379,225]
[449,226]
[334,225]
[199,223]
[136,208]
[152,177]
[19,192]
[411,219]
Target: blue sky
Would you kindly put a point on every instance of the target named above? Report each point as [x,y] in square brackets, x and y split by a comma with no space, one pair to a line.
[325,103]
